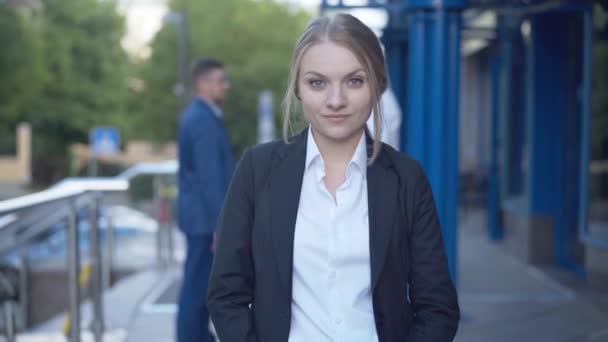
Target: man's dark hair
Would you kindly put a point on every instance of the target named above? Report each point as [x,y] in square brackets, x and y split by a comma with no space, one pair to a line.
[204,66]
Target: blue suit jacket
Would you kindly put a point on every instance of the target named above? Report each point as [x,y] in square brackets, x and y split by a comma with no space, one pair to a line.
[206,164]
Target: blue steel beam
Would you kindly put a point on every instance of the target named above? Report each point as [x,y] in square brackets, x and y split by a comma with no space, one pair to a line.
[554,131]
[506,7]
[417,95]
[433,91]
[567,212]
[395,6]
[583,220]
[454,23]
[387,5]
[494,218]
[503,109]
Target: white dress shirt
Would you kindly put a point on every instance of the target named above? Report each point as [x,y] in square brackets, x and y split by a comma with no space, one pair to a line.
[331,293]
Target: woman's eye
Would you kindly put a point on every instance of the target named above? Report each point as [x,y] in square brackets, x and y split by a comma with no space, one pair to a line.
[356,82]
[316,83]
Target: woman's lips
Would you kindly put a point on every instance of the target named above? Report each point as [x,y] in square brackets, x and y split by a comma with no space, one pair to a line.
[336,118]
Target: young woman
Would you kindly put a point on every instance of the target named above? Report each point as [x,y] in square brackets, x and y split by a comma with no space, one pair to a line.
[331,235]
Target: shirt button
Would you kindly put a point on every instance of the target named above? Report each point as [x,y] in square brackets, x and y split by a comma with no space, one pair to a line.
[338,321]
[332,275]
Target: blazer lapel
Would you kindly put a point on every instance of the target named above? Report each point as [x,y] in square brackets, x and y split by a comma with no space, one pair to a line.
[382,185]
[285,187]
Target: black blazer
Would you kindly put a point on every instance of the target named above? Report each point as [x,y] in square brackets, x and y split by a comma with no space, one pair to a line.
[250,287]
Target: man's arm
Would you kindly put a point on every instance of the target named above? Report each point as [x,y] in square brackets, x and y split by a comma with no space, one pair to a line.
[209,174]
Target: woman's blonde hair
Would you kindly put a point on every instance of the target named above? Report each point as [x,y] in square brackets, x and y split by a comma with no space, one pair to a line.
[349,32]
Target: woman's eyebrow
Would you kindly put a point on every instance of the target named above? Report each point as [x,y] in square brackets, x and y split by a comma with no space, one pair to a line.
[353,73]
[314,73]
[356,71]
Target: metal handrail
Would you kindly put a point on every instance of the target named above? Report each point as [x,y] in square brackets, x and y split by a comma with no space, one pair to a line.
[21,221]
[72,187]
[167,167]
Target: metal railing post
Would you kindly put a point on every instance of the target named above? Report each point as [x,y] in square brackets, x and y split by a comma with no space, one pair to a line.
[24,287]
[171,256]
[107,265]
[74,273]
[96,288]
[157,212]
[9,321]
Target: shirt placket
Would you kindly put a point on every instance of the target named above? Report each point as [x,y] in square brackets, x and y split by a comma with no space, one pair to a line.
[334,295]
[338,251]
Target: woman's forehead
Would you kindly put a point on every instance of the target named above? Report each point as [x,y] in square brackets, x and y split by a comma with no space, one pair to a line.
[329,59]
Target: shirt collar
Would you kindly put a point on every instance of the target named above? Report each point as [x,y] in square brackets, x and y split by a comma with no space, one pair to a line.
[312,150]
[359,158]
[214,108]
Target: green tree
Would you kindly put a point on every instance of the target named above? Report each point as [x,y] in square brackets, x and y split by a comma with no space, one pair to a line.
[86,67]
[64,71]
[254,39]
[21,70]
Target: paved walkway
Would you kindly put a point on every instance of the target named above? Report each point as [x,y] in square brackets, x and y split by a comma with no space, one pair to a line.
[501,300]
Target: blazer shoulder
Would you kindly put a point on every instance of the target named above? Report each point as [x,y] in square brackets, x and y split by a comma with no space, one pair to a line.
[198,120]
[260,158]
[263,154]
[406,166]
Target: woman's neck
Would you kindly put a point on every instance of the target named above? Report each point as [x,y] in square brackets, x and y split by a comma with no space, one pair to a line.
[337,152]
[336,156]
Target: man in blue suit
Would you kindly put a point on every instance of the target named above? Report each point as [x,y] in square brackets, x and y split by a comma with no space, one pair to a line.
[206,164]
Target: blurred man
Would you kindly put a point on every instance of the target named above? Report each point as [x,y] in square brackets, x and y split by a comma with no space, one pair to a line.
[206,164]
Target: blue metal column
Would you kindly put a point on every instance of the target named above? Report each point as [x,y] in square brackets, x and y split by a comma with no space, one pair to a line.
[434,76]
[583,220]
[501,127]
[396,57]
[555,132]
[504,106]
[494,218]
[568,243]
[546,103]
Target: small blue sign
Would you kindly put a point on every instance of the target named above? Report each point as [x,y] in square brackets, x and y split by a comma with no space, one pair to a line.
[105,141]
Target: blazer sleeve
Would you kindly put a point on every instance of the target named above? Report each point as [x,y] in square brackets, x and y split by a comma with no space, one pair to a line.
[231,284]
[209,173]
[431,291]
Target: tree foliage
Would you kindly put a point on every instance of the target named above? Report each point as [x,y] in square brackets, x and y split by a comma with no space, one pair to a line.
[64,71]
[21,71]
[86,84]
[254,39]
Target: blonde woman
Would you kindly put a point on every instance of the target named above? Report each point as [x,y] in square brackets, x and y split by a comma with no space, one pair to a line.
[331,235]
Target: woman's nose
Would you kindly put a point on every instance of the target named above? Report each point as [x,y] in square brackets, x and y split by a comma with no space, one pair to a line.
[336,98]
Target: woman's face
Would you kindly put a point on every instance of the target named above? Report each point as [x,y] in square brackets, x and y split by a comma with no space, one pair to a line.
[335,94]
